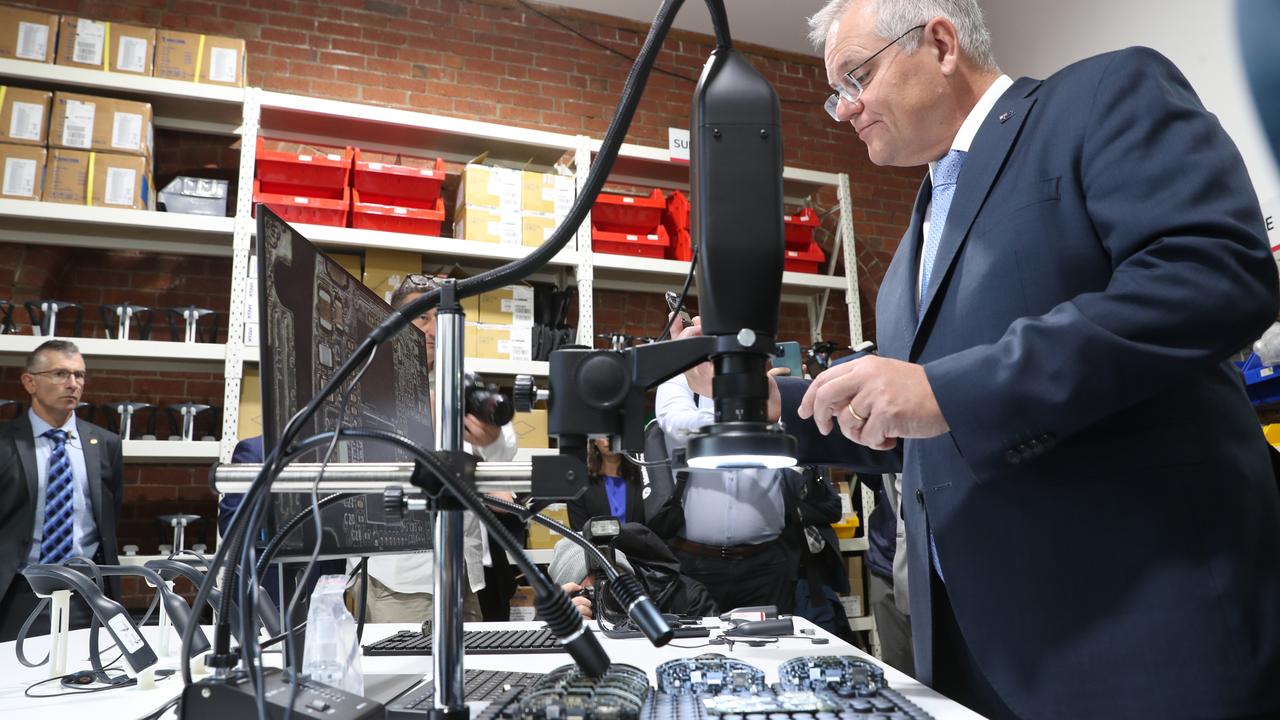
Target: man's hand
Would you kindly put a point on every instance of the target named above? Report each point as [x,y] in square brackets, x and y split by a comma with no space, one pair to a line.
[775,397]
[580,602]
[477,432]
[892,399]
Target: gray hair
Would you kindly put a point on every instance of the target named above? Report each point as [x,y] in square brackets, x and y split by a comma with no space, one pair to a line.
[895,17]
[65,347]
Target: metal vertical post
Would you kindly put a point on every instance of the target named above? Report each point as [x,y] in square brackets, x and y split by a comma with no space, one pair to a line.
[446,614]
[586,264]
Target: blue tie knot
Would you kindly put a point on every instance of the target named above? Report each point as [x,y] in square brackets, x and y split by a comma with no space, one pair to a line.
[57,435]
[947,171]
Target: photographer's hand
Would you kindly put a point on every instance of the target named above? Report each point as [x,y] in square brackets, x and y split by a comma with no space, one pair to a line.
[477,432]
[580,602]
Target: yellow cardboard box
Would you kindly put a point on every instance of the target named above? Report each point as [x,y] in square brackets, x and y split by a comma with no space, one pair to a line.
[546,193]
[490,187]
[531,429]
[28,34]
[384,270]
[540,538]
[483,224]
[200,58]
[24,115]
[499,342]
[511,305]
[856,588]
[101,45]
[22,171]
[250,404]
[88,122]
[535,229]
[97,179]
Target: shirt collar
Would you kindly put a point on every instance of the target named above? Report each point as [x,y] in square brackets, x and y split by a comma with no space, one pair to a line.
[40,427]
[969,128]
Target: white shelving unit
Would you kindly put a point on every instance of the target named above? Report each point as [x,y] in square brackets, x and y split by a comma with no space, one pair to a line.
[171,451]
[106,354]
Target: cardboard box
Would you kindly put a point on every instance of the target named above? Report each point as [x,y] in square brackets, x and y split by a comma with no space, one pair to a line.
[97,179]
[22,171]
[482,224]
[384,270]
[535,229]
[102,45]
[349,262]
[546,194]
[250,403]
[511,305]
[489,187]
[28,34]
[531,429]
[499,342]
[540,538]
[88,122]
[857,591]
[200,58]
[24,115]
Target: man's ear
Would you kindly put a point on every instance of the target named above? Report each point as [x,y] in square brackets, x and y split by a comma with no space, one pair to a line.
[29,383]
[940,39]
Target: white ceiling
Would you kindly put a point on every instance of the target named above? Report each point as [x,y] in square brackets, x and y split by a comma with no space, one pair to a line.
[779,24]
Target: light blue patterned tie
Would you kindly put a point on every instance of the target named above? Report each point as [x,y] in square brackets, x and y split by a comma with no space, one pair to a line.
[59,526]
[945,174]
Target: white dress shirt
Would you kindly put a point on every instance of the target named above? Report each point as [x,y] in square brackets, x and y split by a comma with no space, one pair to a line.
[721,508]
[964,138]
[416,572]
[84,538]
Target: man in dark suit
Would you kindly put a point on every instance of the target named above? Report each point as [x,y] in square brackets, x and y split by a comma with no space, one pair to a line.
[1084,256]
[60,484]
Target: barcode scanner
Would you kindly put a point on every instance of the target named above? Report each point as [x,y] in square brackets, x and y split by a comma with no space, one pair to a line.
[174,605]
[47,579]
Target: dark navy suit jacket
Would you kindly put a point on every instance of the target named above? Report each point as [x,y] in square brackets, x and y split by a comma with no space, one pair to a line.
[1105,513]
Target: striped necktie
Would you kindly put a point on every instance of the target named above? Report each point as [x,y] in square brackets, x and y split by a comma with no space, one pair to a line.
[59,526]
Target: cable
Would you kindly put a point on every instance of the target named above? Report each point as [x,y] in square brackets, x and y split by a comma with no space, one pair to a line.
[241,521]
[272,547]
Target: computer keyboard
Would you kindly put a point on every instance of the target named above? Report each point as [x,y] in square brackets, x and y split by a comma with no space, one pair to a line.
[480,642]
[495,687]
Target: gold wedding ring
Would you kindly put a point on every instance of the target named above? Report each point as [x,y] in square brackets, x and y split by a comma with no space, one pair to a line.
[856,416]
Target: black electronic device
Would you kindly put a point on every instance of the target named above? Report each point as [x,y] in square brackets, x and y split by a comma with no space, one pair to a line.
[494,689]
[478,642]
[235,698]
[787,354]
[486,401]
[777,627]
[709,674]
[567,692]
[846,676]
[312,315]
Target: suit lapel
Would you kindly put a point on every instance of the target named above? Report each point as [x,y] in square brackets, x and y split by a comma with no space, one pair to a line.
[985,159]
[896,323]
[91,446]
[26,445]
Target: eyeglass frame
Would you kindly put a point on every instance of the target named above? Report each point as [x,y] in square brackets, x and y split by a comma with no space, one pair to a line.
[79,375]
[832,103]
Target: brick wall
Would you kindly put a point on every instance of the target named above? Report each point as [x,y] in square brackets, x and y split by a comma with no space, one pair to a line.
[495,60]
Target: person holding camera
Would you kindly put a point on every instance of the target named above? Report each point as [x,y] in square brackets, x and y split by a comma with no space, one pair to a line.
[401,586]
[614,487]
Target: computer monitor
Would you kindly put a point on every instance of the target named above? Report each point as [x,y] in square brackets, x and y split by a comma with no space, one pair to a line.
[313,314]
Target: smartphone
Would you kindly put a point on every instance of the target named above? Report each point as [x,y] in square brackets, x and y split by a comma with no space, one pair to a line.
[673,301]
[787,355]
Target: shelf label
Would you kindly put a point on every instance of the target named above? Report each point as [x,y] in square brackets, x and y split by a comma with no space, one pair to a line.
[678,144]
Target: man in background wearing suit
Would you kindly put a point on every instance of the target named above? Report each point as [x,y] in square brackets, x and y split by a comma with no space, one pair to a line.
[60,484]
[1085,254]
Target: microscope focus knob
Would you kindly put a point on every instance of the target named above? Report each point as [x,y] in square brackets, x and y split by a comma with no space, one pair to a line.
[524,393]
[393,503]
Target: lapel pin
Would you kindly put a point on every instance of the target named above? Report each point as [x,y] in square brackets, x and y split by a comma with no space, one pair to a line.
[93,441]
[1005,116]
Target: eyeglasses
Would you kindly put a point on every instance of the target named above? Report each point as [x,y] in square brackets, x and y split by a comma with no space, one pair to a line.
[849,88]
[62,376]
[426,282]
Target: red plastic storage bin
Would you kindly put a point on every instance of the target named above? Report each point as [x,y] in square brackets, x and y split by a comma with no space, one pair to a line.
[800,228]
[628,214]
[399,185]
[808,260]
[682,246]
[676,217]
[305,209]
[395,218]
[655,244]
[277,170]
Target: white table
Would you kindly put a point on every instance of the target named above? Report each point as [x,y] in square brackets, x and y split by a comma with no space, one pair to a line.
[127,703]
